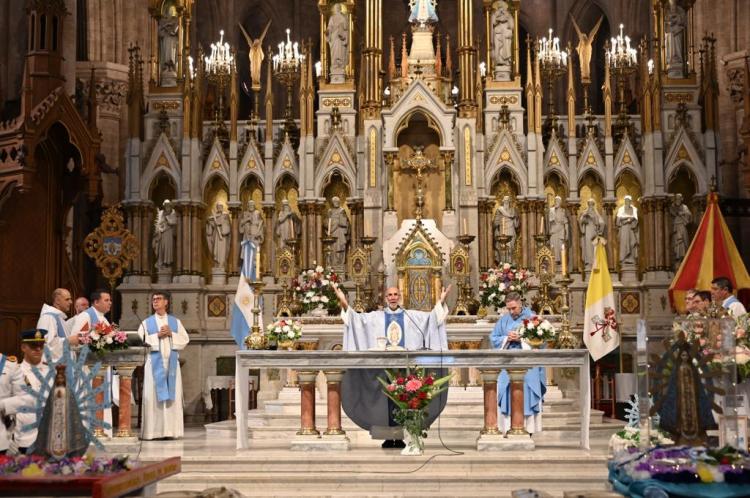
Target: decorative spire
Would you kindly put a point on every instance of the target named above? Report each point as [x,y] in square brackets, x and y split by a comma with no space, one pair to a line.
[404,59]
[448,59]
[233,98]
[530,113]
[438,59]
[537,92]
[479,96]
[269,95]
[391,61]
[607,94]
[571,98]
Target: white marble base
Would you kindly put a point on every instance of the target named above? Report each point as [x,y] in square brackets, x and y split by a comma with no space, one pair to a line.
[319,443]
[164,276]
[629,274]
[218,276]
[496,442]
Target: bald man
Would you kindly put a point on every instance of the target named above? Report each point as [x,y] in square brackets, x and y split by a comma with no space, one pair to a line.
[81,305]
[52,319]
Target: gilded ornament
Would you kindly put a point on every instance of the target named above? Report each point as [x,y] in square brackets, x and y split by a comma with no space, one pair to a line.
[111,245]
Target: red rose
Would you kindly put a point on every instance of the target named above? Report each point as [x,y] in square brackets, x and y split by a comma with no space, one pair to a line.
[414,404]
[428,380]
[403,397]
[400,381]
[422,395]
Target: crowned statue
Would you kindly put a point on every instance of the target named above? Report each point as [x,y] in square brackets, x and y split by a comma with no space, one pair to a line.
[423,11]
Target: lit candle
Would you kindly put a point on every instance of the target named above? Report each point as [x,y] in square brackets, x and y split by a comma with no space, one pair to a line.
[564,259]
[329,227]
[257,264]
[465,230]
[541,225]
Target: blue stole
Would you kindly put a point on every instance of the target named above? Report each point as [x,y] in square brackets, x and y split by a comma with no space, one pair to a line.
[94,318]
[165,381]
[534,382]
[729,301]
[397,317]
[60,326]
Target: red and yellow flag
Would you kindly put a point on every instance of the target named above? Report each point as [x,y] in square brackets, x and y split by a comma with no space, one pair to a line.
[711,254]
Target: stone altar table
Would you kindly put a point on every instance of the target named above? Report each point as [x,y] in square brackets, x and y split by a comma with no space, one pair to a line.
[489,363]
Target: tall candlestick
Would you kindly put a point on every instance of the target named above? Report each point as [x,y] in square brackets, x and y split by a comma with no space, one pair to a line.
[257,264]
[541,225]
[329,227]
[465,230]
[564,259]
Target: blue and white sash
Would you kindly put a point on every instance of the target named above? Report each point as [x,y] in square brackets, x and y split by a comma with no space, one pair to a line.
[165,381]
[2,363]
[729,301]
[93,317]
[60,325]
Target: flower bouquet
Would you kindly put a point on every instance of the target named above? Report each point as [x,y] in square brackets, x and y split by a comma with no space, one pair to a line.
[104,337]
[497,282]
[412,392]
[39,466]
[284,333]
[314,290]
[536,331]
[742,349]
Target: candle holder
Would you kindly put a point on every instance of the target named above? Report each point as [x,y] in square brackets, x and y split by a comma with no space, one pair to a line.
[505,252]
[545,269]
[623,61]
[367,243]
[292,245]
[465,304]
[286,66]
[565,339]
[327,250]
[553,63]
[257,339]
[219,67]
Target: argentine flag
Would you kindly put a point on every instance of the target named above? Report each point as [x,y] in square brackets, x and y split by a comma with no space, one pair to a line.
[242,311]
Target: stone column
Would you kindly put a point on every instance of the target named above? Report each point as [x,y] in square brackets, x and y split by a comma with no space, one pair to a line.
[522,235]
[649,236]
[482,234]
[489,386]
[474,375]
[96,382]
[661,228]
[320,207]
[123,422]
[455,372]
[233,268]
[268,255]
[307,403]
[575,239]
[334,435]
[611,247]
[179,268]
[517,426]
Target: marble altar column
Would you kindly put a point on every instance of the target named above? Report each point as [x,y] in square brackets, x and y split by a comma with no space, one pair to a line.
[489,386]
[516,402]
[320,212]
[456,373]
[334,432]
[474,375]
[521,257]
[303,250]
[482,238]
[124,419]
[662,262]
[647,213]
[96,382]
[307,403]
[179,260]
[612,245]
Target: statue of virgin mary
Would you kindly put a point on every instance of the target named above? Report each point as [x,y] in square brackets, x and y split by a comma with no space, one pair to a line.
[423,11]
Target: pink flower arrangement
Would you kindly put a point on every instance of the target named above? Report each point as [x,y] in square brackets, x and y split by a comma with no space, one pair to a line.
[495,283]
[104,337]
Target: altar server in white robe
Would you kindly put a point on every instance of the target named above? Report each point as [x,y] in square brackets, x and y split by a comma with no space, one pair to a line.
[162,380]
[362,397]
[101,304]
[505,336]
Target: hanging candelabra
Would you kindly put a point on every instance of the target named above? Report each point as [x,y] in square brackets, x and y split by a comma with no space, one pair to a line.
[553,63]
[622,60]
[219,67]
[286,67]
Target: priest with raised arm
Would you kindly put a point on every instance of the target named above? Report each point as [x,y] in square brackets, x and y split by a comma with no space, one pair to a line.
[392,328]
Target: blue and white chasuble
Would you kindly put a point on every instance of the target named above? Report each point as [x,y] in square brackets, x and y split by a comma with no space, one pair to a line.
[534,385]
[362,397]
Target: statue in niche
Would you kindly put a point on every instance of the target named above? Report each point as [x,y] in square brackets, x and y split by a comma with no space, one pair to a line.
[218,234]
[423,11]
[252,225]
[164,235]
[584,48]
[626,220]
[502,41]
[287,225]
[255,54]
[168,30]
[338,41]
[557,227]
[681,218]
[676,29]
[592,226]
[337,226]
[506,222]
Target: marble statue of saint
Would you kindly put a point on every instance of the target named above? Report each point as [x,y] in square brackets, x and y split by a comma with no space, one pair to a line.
[557,227]
[337,226]
[255,54]
[287,225]
[218,234]
[164,235]
[502,41]
[338,41]
[676,32]
[592,226]
[422,11]
[585,41]
[168,30]
[681,218]
[506,222]
[627,224]
[252,225]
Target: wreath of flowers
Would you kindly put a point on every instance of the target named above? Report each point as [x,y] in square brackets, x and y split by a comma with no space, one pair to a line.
[496,283]
[313,289]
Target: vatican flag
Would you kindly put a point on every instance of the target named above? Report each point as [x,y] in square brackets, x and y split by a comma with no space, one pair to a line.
[600,332]
[242,310]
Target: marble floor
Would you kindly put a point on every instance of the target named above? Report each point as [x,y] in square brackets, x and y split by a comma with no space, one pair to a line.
[209,459]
